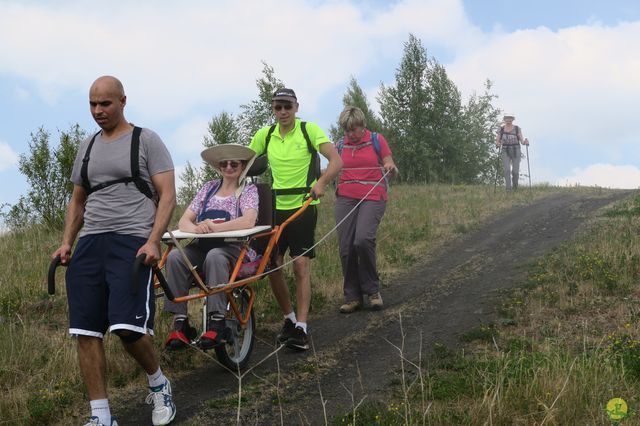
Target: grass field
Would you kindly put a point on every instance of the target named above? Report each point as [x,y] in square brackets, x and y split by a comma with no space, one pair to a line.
[42,384]
[566,343]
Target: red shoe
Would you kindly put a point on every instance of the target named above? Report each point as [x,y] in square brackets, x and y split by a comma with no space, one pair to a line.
[217,335]
[181,336]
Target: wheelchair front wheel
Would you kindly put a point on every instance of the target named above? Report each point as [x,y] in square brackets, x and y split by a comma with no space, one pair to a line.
[236,352]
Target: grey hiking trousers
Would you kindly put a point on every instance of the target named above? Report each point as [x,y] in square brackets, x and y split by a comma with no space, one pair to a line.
[511,155]
[215,264]
[357,240]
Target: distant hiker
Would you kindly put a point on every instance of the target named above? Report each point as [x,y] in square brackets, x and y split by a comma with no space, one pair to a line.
[508,141]
[221,205]
[292,148]
[122,200]
[366,155]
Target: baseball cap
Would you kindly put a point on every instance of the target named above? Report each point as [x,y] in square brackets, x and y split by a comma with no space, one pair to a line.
[284,95]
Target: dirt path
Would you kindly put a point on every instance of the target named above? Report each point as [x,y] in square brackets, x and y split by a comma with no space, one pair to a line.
[453,292]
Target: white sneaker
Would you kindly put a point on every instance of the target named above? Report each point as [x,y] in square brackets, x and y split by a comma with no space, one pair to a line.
[164,410]
[95,421]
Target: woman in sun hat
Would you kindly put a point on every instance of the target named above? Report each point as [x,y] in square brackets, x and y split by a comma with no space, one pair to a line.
[225,204]
[508,141]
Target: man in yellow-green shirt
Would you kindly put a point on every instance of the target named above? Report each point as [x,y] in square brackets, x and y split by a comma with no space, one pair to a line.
[292,148]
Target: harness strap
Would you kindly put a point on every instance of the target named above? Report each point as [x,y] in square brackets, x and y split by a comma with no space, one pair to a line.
[140,183]
[313,172]
[291,191]
[212,191]
[363,182]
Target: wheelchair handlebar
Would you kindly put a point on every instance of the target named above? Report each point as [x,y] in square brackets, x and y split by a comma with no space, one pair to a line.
[156,271]
[51,276]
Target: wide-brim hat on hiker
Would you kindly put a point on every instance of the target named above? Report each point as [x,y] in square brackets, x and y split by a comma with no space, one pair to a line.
[508,115]
[229,151]
[287,95]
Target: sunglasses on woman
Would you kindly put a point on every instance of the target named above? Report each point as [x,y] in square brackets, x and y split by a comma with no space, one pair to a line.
[279,107]
[226,163]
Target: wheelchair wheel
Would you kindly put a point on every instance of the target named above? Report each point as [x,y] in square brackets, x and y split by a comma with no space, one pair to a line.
[235,353]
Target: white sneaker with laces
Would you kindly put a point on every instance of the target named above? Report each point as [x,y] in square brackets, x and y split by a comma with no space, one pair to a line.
[164,410]
[95,421]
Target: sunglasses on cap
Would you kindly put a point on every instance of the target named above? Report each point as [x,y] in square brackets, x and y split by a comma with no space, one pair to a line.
[278,107]
[226,163]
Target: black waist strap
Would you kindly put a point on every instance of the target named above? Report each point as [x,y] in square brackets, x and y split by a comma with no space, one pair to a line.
[291,191]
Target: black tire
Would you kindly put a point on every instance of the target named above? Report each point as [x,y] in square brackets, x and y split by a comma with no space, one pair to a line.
[236,353]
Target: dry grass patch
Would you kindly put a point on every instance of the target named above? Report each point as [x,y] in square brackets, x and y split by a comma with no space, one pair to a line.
[38,367]
[567,342]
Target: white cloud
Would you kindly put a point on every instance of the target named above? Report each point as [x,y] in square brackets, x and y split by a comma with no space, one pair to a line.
[188,137]
[21,94]
[571,89]
[577,84]
[186,53]
[604,175]
[8,157]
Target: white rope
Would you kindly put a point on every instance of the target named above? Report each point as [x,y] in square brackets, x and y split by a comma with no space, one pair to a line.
[264,274]
[332,229]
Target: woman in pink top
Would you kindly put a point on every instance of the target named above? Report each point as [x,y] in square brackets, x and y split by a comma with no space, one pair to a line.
[366,157]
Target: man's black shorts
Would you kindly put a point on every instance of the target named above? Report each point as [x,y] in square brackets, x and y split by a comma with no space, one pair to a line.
[299,235]
[99,281]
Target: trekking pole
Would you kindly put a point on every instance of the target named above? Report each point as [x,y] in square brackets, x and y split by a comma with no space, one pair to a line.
[528,168]
[495,182]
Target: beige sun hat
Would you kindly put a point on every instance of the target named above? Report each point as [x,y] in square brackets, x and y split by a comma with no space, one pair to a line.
[508,114]
[230,151]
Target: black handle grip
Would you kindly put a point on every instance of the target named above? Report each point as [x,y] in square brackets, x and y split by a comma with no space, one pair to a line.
[51,278]
[163,283]
[136,273]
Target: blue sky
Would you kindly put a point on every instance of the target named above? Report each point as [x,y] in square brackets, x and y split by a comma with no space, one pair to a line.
[569,70]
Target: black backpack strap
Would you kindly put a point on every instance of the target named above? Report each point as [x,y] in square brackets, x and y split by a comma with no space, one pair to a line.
[268,138]
[291,191]
[140,183]
[84,175]
[314,165]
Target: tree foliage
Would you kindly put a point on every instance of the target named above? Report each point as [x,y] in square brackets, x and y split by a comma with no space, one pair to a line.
[405,112]
[226,128]
[192,180]
[433,136]
[355,96]
[257,113]
[47,170]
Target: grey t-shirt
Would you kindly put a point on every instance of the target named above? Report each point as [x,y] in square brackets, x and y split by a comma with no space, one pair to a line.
[121,207]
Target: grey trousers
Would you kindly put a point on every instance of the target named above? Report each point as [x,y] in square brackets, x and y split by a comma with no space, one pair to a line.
[357,240]
[511,164]
[214,264]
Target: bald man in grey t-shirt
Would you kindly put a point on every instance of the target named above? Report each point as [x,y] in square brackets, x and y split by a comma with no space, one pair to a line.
[118,215]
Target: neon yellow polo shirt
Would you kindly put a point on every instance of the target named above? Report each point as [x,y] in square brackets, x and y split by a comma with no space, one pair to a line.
[289,159]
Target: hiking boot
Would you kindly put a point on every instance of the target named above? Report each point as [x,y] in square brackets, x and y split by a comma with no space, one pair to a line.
[286,331]
[298,340]
[350,307]
[375,301]
[95,421]
[217,334]
[182,335]
[164,410]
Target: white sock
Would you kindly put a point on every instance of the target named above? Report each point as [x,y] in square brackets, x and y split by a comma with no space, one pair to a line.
[100,409]
[156,379]
[302,325]
[291,316]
